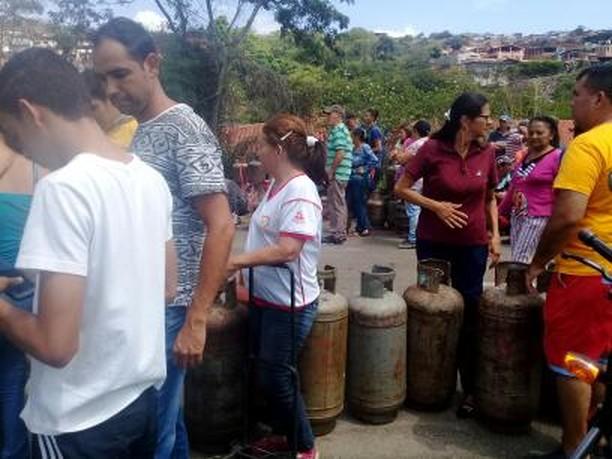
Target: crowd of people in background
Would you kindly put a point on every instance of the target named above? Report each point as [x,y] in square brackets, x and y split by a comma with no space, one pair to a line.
[115,238]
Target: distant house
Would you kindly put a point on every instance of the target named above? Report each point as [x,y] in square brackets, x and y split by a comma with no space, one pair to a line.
[540,53]
[240,139]
[604,52]
[506,53]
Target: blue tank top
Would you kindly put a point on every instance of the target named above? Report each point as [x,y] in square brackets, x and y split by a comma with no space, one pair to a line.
[14,210]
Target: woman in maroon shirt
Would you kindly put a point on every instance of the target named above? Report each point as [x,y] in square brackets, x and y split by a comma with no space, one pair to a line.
[458,222]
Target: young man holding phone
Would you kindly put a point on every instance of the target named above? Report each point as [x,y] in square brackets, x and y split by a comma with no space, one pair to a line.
[99,240]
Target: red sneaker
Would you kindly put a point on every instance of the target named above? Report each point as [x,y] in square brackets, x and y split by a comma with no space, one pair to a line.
[310,454]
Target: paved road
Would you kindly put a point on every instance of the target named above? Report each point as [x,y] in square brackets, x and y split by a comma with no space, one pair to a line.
[413,434]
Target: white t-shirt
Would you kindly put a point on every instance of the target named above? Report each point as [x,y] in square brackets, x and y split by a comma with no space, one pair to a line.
[109,222]
[295,211]
[412,150]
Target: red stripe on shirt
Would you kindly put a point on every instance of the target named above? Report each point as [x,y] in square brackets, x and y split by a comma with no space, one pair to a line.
[301,237]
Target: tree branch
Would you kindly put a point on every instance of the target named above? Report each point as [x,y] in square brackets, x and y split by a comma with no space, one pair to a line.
[211,16]
[249,24]
[237,15]
[181,9]
[167,16]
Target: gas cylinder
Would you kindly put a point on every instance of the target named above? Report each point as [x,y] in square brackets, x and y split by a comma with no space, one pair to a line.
[214,389]
[255,172]
[390,173]
[322,363]
[239,174]
[509,352]
[435,313]
[402,222]
[376,380]
[392,213]
[376,209]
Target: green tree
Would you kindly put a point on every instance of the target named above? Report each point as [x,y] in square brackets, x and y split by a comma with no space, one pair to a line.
[436,53]
[13,17]
[73,20]
[223,37]
[385,48]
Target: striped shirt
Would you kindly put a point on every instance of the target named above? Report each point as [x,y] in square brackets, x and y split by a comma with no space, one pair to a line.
[179,145]
[340,139]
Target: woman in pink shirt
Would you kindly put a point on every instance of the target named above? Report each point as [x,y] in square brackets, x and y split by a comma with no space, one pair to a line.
[529,200]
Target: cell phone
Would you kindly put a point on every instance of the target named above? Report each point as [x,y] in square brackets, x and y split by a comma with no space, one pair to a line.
[21,291]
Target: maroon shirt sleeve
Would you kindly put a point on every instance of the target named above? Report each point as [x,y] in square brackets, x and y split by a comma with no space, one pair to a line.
[418,164]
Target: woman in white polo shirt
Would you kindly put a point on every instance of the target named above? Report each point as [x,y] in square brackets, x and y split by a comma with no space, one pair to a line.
[285,229]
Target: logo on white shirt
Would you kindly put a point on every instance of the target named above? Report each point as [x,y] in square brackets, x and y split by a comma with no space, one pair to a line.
[299,217]
[264,221]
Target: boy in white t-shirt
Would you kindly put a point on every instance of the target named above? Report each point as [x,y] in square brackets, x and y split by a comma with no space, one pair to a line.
[99,240]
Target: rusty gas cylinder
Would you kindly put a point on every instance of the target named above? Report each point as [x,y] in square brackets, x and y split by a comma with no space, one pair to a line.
[390,173]
[376,210]
[435,314]
[239,173]
[376,379]
[214,390]
[402,222]
[392,212]
[256,173]
[509,352]
[323,359]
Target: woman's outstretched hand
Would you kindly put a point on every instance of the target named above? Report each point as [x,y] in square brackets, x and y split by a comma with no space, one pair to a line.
[450,214]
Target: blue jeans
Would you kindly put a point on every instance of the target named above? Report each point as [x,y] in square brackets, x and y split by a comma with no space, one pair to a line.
[356,198]
[271,340]
[468,266]
[172,442]
[412,212]
[128,434]
[14,372]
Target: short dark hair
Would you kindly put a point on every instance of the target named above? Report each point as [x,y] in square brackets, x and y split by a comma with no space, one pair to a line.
[96,85]
[360,133]
[133,36]
[42,77]
[422,127]
[373,112]
[598,78]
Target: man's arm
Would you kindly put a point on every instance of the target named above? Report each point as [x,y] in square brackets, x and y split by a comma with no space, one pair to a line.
[569,210]
[52,336]
[215,213]
[337,161]
[171,271]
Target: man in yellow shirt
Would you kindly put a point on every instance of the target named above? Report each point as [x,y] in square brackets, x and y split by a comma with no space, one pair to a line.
[578,311]
[119,127]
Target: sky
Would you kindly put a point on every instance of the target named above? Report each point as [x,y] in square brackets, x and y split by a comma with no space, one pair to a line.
[411,17]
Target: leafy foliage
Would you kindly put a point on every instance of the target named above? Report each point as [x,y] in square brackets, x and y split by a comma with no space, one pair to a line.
[14,15]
